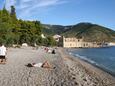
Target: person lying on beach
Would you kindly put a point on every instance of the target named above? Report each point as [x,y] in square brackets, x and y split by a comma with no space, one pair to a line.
[43,65]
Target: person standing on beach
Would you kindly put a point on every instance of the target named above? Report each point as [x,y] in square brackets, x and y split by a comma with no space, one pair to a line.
[2,53]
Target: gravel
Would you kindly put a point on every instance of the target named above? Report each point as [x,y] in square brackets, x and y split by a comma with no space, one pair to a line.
[64,71]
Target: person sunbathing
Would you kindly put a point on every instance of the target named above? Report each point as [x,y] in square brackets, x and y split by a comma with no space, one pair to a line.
[43,65]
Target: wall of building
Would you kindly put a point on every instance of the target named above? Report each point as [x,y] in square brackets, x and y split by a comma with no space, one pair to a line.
[78,43]
[112,44]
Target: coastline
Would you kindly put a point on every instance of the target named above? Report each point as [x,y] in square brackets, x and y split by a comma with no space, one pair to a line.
[95,71]
[91,62]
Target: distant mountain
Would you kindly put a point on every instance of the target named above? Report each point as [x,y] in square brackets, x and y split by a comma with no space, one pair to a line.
[54,29]
[91,32]
[87,31]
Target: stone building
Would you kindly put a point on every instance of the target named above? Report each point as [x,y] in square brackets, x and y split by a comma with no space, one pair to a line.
[79,43]
[57,37]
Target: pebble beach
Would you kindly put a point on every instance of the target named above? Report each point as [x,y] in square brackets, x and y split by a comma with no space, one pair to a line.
[65,71]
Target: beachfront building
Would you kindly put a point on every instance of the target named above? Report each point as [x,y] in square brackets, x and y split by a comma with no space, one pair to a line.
[79,43]
[112,44]
[57,37]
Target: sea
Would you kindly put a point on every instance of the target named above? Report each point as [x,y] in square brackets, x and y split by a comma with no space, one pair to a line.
[103,58]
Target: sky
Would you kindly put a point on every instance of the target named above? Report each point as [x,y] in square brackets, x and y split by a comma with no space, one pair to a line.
[65,12]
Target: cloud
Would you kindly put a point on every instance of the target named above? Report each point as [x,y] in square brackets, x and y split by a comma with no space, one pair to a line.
[26,7]
[9,3]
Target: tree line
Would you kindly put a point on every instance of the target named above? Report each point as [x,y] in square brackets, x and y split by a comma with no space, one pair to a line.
[17,31]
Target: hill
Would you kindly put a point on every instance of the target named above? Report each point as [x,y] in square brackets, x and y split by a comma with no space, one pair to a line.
[90,32]
[54,29]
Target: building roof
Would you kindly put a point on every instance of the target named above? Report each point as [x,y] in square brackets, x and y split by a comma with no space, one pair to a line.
[56,36]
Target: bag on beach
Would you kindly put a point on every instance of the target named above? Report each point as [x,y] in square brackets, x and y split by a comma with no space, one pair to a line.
[29,65]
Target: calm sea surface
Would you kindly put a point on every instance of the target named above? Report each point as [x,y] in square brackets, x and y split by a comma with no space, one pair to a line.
[101,57]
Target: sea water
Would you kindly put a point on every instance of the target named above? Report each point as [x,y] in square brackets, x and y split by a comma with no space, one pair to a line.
[101,57]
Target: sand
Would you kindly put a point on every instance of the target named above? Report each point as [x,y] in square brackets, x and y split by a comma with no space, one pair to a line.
[66,71]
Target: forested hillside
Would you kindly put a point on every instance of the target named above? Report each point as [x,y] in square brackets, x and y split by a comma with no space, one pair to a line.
[54,29]
[91,32]
[14,31]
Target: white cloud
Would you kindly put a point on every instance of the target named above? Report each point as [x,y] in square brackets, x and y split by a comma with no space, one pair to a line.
[9,3]
[26,7]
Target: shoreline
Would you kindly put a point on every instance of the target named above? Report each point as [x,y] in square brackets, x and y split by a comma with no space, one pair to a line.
[98,72]
[92,63]
[98,67]
[101,68]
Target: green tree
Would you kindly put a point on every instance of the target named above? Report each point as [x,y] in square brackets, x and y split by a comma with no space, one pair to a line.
[51,41]
[14,31]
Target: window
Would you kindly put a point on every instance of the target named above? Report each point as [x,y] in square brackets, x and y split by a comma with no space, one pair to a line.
[84,45]
[70,44]
[87,44]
